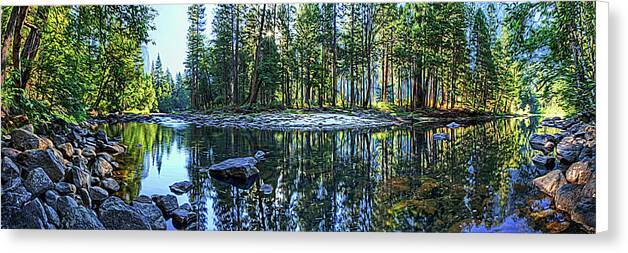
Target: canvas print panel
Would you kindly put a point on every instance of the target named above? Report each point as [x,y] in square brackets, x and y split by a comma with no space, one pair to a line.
[396,117]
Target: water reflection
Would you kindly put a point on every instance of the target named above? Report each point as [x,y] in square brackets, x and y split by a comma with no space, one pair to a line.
[399,179]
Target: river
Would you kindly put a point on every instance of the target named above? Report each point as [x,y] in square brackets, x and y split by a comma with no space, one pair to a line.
[385,179]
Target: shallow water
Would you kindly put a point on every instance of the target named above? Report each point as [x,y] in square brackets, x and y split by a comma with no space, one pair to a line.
[393,179]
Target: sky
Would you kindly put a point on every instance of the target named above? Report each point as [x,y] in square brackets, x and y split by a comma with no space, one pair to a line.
[169,36]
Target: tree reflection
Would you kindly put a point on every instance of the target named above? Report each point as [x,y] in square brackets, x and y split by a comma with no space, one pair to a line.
[399,179]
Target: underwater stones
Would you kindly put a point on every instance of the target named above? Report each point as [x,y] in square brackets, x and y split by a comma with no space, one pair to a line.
[550,182]
[181,187]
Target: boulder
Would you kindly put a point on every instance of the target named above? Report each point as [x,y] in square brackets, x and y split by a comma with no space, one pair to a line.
[588,190]
[143,199]
[79,177]
[101,168]
[181,187]
[237,171]
[108,157]
[67,150]
[152,213]
[117,215]
[37,182]
[11,153]
[543,162]
[98,194]
[16,196]
[584,213]
[64,203]
[579,173]
[80,218]
[50,198]
[31,216]
[89,151]
[567,196]
[85,197]
[10,170]
[52,216]
[114,149]
[167,203]
[550,183]
[65,188]
[180,218]
[23,139]
[46,159]
[568,149]
[110,184]
[537,141]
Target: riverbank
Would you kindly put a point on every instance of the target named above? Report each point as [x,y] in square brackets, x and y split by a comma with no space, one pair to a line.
[567,160]
[62,176]
[304,119]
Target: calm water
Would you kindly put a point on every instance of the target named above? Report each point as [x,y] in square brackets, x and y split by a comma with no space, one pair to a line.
[397,179]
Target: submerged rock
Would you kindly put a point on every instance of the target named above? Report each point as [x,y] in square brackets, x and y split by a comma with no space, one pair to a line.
[550,183]
[181,187]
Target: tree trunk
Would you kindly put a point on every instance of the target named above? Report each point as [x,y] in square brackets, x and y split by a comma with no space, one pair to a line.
[258,52]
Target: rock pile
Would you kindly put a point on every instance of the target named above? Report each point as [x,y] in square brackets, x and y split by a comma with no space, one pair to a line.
[568,159]
[61,178]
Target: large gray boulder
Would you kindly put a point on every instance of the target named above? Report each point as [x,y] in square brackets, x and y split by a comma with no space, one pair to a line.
[46,159]
[550,183]
[31,216]
[110,184]
[10,170]
[22,139]
[37,182]
[237,171]
[117,215]
[79,218]
[153,213]
[98,194]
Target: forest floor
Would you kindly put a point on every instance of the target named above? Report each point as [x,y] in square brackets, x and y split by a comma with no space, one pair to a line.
[306,119]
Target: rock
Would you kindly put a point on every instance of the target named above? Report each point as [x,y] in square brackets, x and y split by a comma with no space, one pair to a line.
[567,196]
[37,182]
[16,196]
[579,173]
[584,214]
[80,218]
[180,218]
[10,170]
[52,216]
[67,150]
[11,153]
[95,181]
[537,141]
[441,136]
[181,187]
[101,168]
[98,194]
[588,190]
[89,151]
[544,162]
[237,171]
[453,125]
[108,157]
[557,226]
[26,140]
[143,199]
[85,197]
[550,183]
[46,159]
[110,184]
[114,149]
[152,212]
[167,203]
[117,215]
[102,136]
[79,177]
[50,197]
[568,150]
[65,188]
[64,203]
[31,216]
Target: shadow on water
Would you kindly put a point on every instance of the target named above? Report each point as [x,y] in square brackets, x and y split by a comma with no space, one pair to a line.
[397,179]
